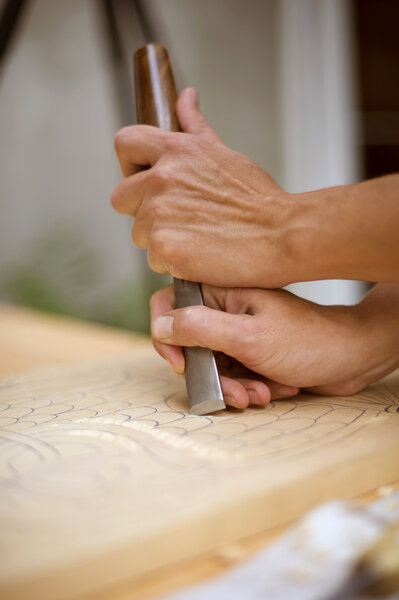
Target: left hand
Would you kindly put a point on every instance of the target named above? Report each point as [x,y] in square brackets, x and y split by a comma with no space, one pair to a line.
[200,203]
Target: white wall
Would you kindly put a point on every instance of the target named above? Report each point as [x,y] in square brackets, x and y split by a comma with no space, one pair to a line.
[319,133]
[227,49]
[57,122]
[273,77]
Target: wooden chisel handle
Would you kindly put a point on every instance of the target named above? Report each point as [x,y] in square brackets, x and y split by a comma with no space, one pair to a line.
[156,97]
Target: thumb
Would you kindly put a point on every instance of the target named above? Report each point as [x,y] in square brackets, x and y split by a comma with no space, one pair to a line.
[191,119]
[202,326]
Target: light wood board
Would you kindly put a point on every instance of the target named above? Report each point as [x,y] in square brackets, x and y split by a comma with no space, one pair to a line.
[105,477]
[30,338]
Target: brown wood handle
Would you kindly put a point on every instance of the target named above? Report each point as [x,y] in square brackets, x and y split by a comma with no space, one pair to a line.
[156,93]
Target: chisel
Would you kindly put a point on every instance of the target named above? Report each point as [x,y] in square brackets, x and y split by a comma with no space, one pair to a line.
[156,97]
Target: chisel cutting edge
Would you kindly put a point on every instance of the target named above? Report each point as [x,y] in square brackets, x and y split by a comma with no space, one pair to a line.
[156,97]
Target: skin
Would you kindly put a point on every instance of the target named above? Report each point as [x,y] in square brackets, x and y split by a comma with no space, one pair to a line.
[197,203]
[274,336]
[200,203]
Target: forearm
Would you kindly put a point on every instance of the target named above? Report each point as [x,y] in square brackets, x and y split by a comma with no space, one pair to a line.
[348,232]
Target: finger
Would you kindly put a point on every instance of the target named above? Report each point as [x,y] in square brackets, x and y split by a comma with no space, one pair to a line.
[162,301]
[128,195]
[191,119]
[173,354]
[234,392]
[272,389]
[232,334]
[343,388]
[258,392]
[138,146]
[279,391]
[215,297]
[127,168]
[262,390]
[141,233]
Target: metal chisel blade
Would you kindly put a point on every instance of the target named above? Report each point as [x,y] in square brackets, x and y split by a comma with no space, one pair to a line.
[202,378]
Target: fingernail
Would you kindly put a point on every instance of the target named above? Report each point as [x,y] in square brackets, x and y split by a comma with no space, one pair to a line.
[162,328]
[286,390]
[229,400]
[178,368]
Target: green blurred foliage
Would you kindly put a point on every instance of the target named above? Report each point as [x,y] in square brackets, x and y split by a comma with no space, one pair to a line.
[59,273]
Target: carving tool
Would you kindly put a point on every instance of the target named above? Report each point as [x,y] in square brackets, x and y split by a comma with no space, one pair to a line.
[156,97]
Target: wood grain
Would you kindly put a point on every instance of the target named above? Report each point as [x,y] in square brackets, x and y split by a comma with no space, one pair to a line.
[155,88]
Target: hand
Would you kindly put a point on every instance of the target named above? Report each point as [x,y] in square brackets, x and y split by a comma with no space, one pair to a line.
[335,350]
[202,204]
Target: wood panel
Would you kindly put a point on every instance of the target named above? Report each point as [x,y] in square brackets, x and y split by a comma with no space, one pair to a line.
[106,478]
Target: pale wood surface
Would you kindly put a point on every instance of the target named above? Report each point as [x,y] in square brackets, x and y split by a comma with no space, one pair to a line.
[364,457]
[31,339]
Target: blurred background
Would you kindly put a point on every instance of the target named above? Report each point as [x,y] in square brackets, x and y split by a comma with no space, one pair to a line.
[307,88]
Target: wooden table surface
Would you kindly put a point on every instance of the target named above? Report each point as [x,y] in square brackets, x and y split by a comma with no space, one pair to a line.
[30,339]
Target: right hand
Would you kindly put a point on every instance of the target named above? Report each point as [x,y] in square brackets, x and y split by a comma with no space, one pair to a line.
[273,343]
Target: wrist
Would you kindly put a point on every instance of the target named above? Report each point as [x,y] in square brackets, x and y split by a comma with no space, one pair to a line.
[347,232]
[276,256]
[310,236]
[324,229]
[378,314]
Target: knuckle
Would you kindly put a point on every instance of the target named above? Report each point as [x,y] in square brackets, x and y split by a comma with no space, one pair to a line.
[122,137]
[156,296]
[161,243]
[249,340]
[157,177]
[164,175]
[154,263]
[174,141]
[114,199]
[167,254]
[156,211]
[186,320]
[138,237]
